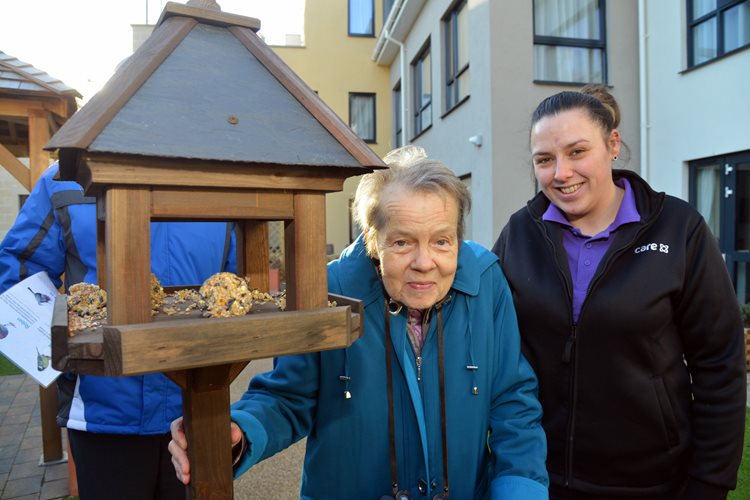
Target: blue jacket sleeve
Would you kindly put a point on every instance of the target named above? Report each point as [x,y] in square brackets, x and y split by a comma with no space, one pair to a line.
[34,243]
[517,440]
[278,408]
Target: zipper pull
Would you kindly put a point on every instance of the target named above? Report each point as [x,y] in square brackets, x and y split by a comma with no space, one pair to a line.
[419,368]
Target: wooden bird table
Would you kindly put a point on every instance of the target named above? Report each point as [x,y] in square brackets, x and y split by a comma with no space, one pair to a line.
[202,355]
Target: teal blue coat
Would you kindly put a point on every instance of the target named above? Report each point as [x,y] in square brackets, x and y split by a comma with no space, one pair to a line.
[347,453]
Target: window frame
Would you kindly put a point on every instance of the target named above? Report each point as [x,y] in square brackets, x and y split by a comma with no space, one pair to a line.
[584,43]
[373,95]
[419,108]
[728,211]
[452,72]
[717,13]
[371,33]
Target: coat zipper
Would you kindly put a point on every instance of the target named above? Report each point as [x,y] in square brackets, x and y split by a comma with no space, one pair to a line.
[569,350]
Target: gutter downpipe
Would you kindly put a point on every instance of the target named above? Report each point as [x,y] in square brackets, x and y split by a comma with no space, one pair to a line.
[402,56]
[643,88]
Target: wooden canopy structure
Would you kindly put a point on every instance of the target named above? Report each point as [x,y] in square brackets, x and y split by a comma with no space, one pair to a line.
[205,122]
[33,106]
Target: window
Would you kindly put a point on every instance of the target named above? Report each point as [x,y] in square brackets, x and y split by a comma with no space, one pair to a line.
[361,17]
[398,127]
[456,55]
[569,41]
[716,27]
[362,115]
[422,91]
[720,191]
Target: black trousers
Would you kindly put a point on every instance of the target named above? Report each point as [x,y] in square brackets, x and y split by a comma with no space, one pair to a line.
[559,493]
[127,467]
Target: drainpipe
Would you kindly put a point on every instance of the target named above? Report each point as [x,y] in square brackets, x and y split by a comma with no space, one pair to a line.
[404,86]
[643,90]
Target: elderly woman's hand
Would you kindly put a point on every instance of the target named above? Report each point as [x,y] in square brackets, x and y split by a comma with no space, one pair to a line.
[178,448]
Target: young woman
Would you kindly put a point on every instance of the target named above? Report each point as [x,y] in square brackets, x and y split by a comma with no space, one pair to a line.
[628,317]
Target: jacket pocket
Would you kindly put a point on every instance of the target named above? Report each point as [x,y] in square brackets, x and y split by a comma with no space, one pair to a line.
[667,412]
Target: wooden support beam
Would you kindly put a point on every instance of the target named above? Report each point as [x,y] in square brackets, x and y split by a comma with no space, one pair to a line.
[305,253]
[18,170]
[51,435]
[128,250]
[38,136]
[252,253]
[17,107]
[205,408]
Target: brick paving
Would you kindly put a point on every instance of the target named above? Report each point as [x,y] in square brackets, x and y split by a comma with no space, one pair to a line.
[21,475]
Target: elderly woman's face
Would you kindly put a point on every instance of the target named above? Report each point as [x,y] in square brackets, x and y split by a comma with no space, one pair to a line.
[418,248]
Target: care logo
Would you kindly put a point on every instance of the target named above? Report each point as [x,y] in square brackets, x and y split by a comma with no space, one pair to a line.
[652,247]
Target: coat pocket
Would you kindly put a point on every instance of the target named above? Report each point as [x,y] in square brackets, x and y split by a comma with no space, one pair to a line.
[667,412]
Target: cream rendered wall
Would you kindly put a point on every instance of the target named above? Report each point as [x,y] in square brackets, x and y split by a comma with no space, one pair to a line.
[502,98]
[10,190]
[448,137]
[691,114]
[334,64]
[515,95]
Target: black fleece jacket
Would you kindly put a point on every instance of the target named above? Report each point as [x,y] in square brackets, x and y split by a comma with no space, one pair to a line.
[646,392]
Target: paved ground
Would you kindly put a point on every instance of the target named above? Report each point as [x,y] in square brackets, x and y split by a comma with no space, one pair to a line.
[22,478]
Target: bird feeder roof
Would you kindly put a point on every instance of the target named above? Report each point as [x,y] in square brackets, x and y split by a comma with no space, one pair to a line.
[204,86]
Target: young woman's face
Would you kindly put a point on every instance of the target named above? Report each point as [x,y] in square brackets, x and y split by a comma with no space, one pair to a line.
[418,248]
[573,163]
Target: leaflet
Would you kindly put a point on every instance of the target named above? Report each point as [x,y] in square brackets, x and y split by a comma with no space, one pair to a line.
[25,326]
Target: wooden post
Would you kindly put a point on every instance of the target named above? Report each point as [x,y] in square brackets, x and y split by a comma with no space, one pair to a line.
[51,436]
[128,251]
[205,408]
[252,253]
[38,136]
[305,253]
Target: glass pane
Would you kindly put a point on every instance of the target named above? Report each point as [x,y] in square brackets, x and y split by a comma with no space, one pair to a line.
[741,282]
[704,41]
[397,116]
[361,14]
[567,18]
[555,63]
[737,26]
[362,116]
[463,85]
[463,37]
[703,7]
[742,208]
[708,198]
[426,96]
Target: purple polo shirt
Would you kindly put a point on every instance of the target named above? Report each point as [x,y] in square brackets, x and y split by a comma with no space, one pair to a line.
[586,252]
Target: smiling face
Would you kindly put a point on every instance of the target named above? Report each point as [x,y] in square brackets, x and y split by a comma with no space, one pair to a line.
[418,248]
[572,163]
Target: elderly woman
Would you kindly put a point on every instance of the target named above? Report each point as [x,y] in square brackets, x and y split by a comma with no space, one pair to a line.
[436,397]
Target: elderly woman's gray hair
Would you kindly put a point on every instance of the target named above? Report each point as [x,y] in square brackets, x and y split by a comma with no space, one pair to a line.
[409,168]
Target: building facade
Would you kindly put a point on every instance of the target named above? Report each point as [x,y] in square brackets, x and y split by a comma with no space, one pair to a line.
[465,76]
[335,62]
[695,107]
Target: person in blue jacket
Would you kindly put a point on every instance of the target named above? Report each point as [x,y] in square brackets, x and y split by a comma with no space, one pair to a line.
[118,427]
[436,399]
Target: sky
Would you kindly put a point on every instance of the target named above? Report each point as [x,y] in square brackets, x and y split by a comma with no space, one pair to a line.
[82,41]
